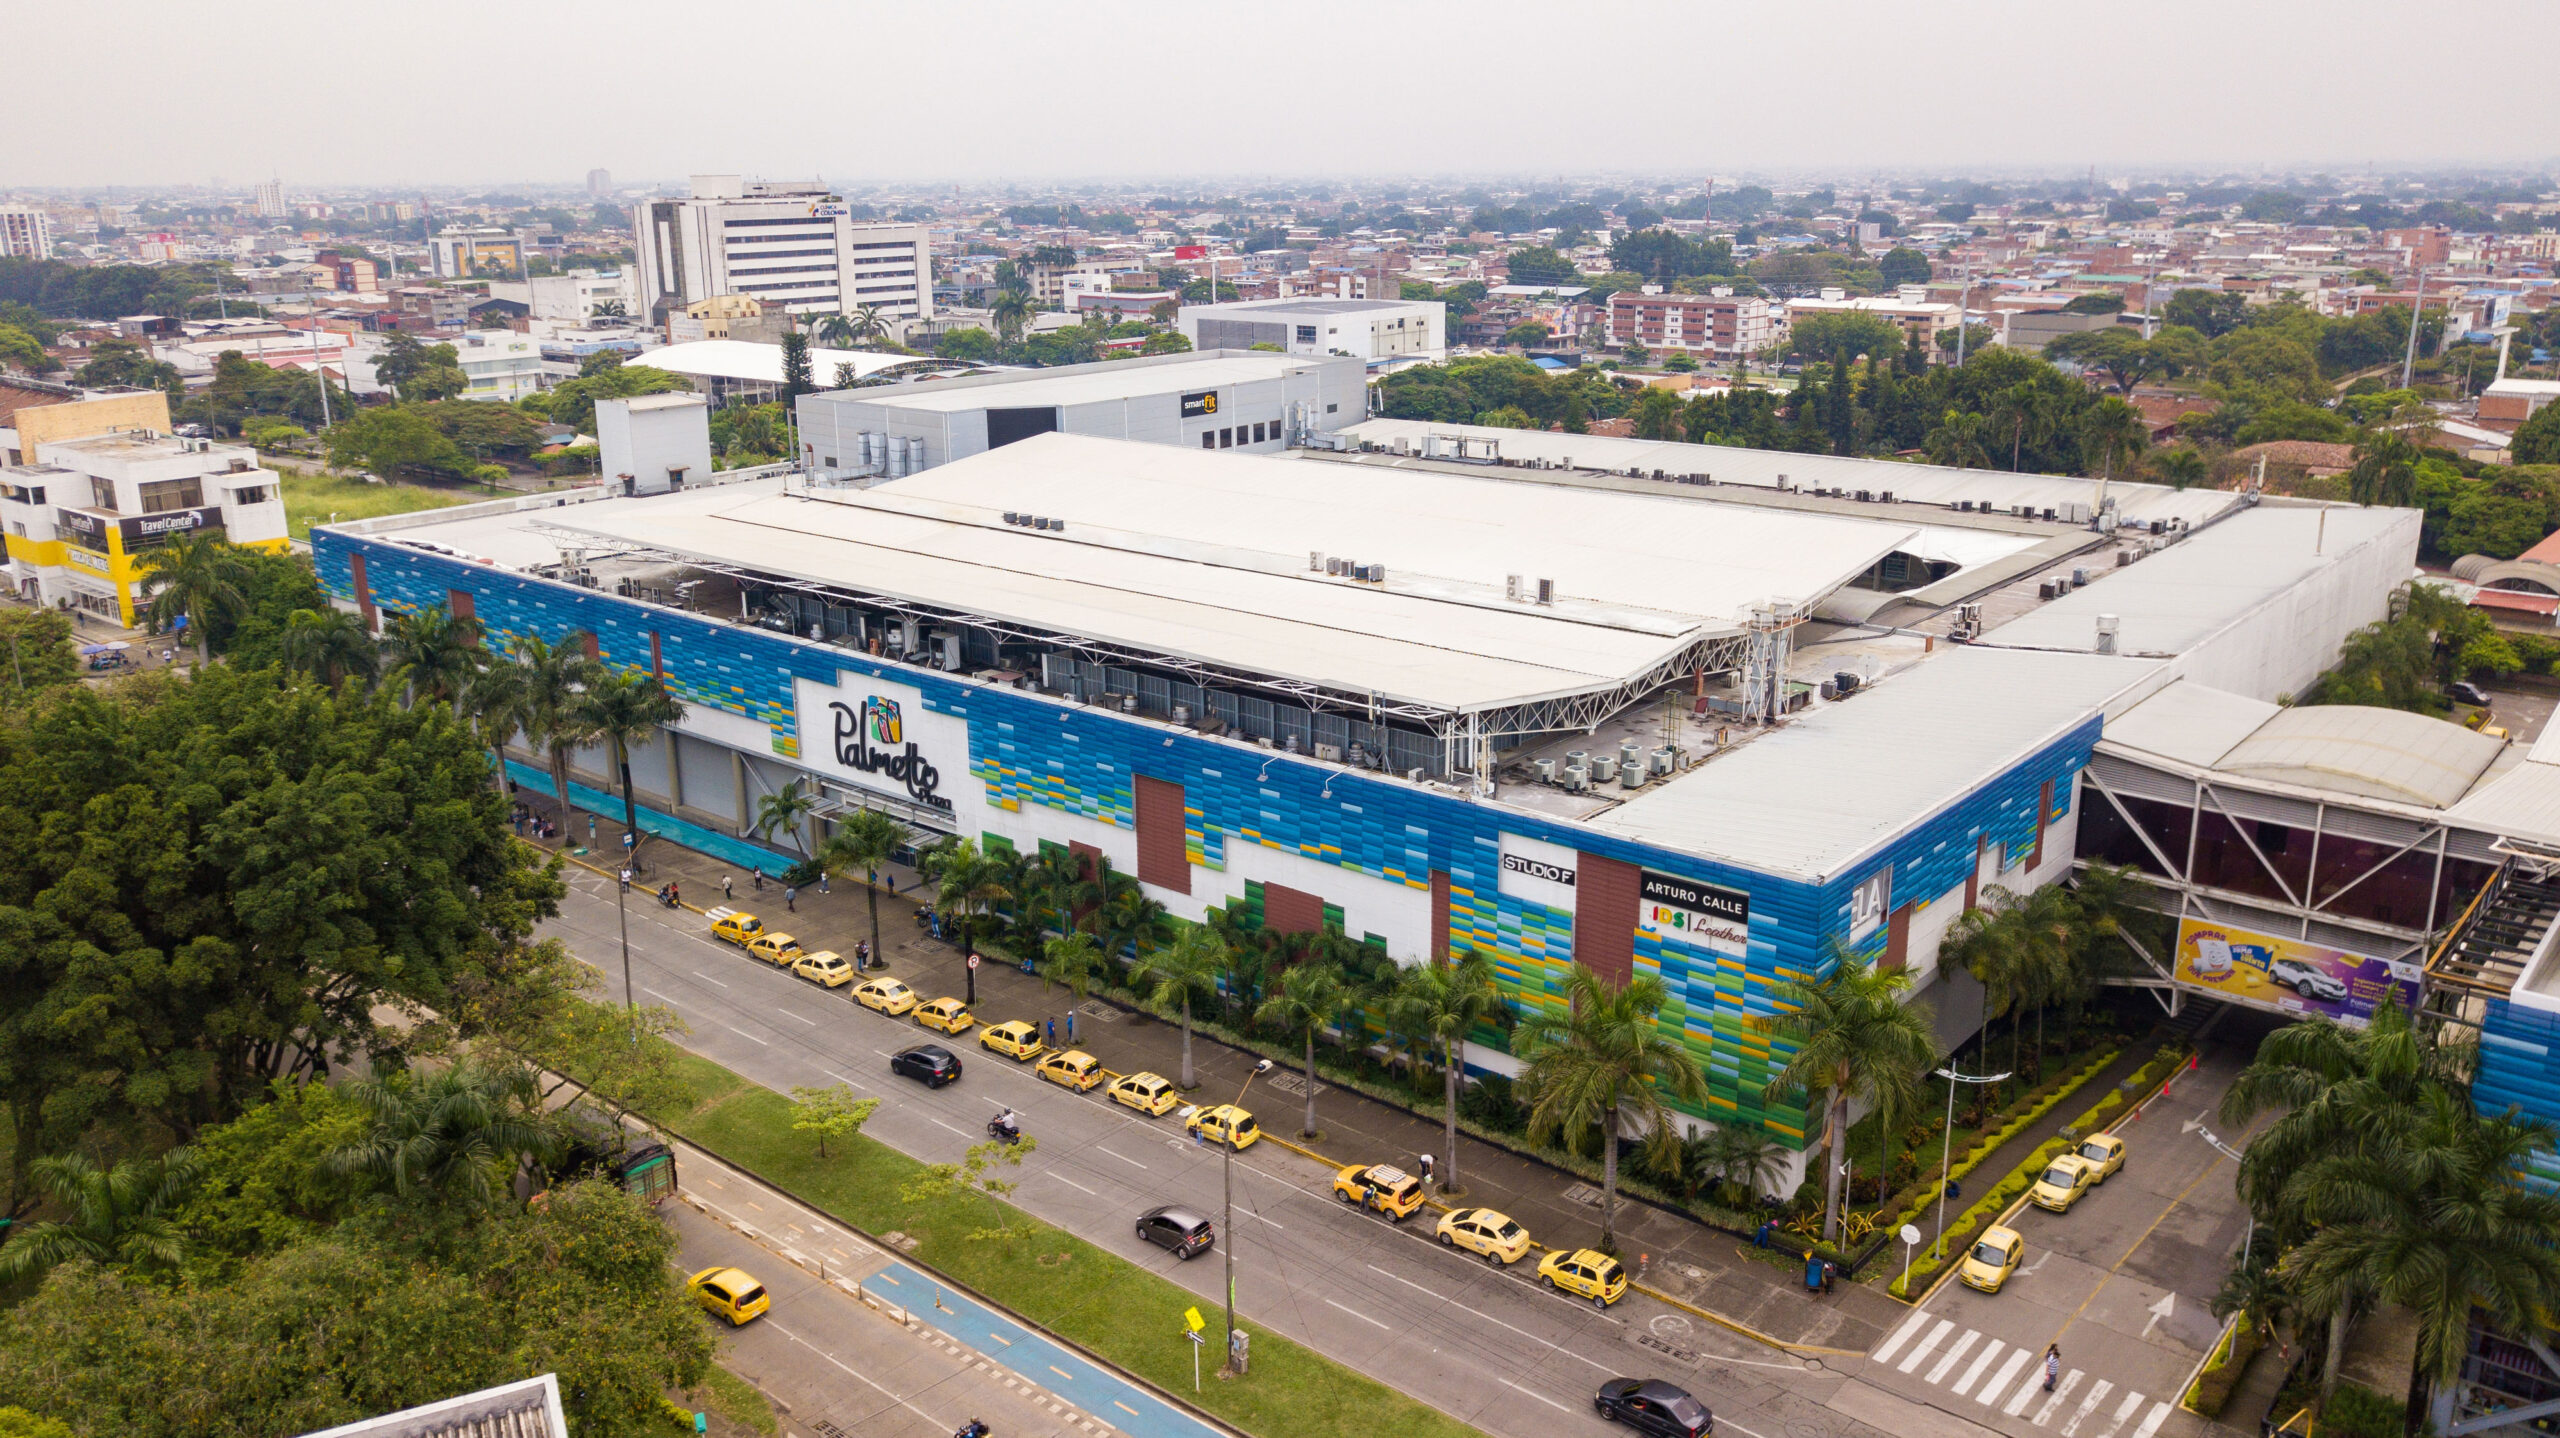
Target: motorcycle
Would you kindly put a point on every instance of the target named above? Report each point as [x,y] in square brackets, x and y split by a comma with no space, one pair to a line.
[667,899]
[998,1129]
[971,1429]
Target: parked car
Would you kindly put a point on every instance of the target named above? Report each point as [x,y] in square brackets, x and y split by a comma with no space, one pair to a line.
[1496,1235]
[1585,1273]
[1074,1069]
[1649,1405]
[1150,1094]
[732,1293]
[1177,1229]
[886,995]
[2104,1153]
[1993,1257]
[1224,1123]
[824,967]
[2464,692]
[1016,1039]
[2064,1180]
[951,1016]
[1389,1190]
[779,950]
[931,1064]
[735,926]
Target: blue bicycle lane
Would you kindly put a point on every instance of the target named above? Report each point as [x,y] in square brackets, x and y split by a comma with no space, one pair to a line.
[1103,1394]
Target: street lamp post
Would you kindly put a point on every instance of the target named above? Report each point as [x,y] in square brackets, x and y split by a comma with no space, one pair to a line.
[622,917]
[1947,1145]
[1230,1218]
[2233,1154]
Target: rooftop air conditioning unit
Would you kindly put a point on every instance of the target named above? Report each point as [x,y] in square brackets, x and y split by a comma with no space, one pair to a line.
[1182,714]
[1413,775]
[2079,577]
[1315,561]
[1845,682]
[1631,776]
[2107,634]
[1665,760]
[1577,779]
[1332,565]
[1546,591]
[1546,771]
[1884,496]
[1330,753]
[1603,768]
[1512,588]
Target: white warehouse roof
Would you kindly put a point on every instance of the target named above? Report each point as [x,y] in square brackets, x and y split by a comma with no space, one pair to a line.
[755,362]
[1102,383]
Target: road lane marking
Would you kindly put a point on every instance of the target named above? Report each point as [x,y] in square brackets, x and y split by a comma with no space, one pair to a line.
[2151,1421]
[1954,1354]
[849,1083]
[1125,1408]
[1532,1392]
[1054,1368]
[2052,1405]
[831,1358]
[2131,1405]
[1900,1336]
[788,1014]
[2000,1381]
[742,1033]
[1487,1317]
[653,993]
[706,978]
[1258,1218]
[964,1133]
[1920,1351]
[1071,1183]
[2097,1394]
[1000,1338]
[1124,1158]
[1356,1313]
[1964,1385]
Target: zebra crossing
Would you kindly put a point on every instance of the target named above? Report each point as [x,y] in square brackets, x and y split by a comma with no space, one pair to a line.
[1999,1378]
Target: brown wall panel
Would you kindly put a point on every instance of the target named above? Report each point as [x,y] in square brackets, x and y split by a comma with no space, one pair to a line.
[1162,859]
[1604,917]
[1291,911]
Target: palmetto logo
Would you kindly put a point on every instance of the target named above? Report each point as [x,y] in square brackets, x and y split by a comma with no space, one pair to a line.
[881,715]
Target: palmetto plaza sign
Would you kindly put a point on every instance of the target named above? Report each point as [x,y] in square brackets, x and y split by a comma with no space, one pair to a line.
[873,740]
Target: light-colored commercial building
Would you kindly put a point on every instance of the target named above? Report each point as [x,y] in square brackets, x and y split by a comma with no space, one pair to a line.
[25,231]
[1364,329]
[30,425]
[1719,323]
[790,244]
[1910,310]
[576,296]
[83,515]
[1223,399]
[500,364]
[487,249]
[270,199]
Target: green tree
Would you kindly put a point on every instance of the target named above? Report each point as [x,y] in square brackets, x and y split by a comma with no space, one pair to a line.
[122,364]
[1167,342]
[863,844]
[117,1215]
[829,1113]
[452,1137]
[24,350]
[1072,961]
[2180,466]
[433,653]
[940,1185]
[835,332]
[41,652]
[1311,997]
[1524,335]
[2125,358]
[1957,442]
[573,402]
[795,368]
[1444,1001]
[2386,470]
[2113,432]
[1853,1036]
[1179,972]
[1842,337]
[556,718]
[396,441]
[1542,266]
[419,371]
[1657,414]
[1903,265]
[330,645]
[192,580]
[623,709]
[2210,313]
[787,811]
[1605,1058]
[2537,440]
[970,885]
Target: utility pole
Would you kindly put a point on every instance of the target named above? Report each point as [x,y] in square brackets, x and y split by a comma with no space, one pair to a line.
[1230,1168]
[2417,304]
[1964,311]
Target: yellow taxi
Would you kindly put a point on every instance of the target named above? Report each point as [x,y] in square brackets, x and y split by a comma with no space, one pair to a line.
[1390,1191]
[2103,1153]
[1993,1257]
[732,1293]
[1017,1040]
[1585,1273]
[886,995]
[949,1015]
[779,950]
[1073,1069]
[1151,1094]
[1222,1123]
[734,926]
[1498,1236]
[826,966]
[2064,1180]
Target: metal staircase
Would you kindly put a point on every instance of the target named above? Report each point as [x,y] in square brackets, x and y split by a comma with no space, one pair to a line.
[2499,934]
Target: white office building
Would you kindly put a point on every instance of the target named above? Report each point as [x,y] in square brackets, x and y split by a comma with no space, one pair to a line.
[787,243]
[498,364]
[1364,329]
[25,231]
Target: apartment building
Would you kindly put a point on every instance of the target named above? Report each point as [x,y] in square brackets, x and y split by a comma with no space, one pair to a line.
[26,232]
[789,244]
[491,249]
[1368,329]
[1719,323]
[1911,309]
[83,515]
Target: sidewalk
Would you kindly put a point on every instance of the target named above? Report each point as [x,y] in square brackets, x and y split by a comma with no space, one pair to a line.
[1701,1268]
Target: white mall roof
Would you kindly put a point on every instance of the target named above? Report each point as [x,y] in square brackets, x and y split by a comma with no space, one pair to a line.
[1814,796]
[1107,383]
[752,361]
[1919,483]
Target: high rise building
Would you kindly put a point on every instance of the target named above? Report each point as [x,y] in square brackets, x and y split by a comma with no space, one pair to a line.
[789,244]
[599,181]
[270,199]
[25,231]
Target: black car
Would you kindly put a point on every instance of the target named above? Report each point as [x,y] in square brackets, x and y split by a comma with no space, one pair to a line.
[1179,1229]
[2468,693]
[933,1064]
[1650,1405]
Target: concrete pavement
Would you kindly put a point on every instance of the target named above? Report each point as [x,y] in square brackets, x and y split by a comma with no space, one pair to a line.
[1480,1343]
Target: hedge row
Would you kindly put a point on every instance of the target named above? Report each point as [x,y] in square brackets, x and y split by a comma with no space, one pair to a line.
[1921,1197]
[2224,1366]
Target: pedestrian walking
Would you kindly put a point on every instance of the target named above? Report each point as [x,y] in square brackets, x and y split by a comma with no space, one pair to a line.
[1071,1026]
[626,878]
[826,881]
[724,888]
[759,878]
[2052,1365]
[1426,1169]
[1053,1032]
[791,897]
[591,831]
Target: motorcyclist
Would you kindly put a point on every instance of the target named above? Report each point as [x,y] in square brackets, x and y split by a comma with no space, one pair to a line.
[971,1429]
[1006,1126]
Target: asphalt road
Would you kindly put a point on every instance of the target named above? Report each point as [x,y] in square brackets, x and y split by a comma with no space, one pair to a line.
[1480,1343]
[2120,1283]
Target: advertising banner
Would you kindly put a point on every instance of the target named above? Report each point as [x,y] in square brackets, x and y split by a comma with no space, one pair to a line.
[1191,252]
[1689,912]
[1199,403]
[141,529]
[1537,872]
[82,528]
[2289,975]
[876,734]
[1869,903]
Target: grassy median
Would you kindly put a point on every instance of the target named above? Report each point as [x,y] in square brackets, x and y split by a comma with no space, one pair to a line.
[1108,1305]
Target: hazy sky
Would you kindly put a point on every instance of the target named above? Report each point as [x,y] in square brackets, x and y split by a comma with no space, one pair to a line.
[357,91]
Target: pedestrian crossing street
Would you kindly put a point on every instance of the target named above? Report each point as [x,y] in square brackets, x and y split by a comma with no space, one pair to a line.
[2010,1381]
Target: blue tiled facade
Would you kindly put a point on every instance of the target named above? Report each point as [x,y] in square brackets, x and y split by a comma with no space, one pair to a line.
[1027,750]
[2520,1067]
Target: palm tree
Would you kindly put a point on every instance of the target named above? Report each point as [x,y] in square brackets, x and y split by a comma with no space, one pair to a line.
[864,842]
[556,719]
[870,323]
[498,704]
[1012,305]
[1854,1038]
[626,709]
[1742,1161]
[972,885]
[1096,885]
[1310,998]
[787,811]
[2112,431]
[2180,466]
[2018,411]
[331,645]
[452,1137]
[835,332]
[2386,470]
[1180,971]
[2437,1225]
[116,1215]
[433,652]
[198,577]
[1957,442]
[1130,920]
[1072,962]
[1601,1060]
[1444,1002]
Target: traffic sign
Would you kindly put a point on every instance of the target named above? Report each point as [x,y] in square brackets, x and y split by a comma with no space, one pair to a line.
[973,961]
[1192,1317]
